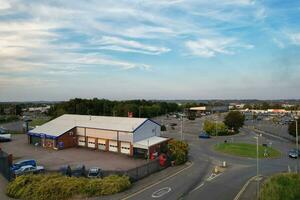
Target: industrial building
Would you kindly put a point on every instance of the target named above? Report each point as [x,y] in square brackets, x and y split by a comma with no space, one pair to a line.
[131,136]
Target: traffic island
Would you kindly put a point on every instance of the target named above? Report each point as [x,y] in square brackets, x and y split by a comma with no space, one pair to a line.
[247,150]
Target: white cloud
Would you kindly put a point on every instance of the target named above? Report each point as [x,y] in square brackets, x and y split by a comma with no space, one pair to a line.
[214,46]
[210,47]
[4,4]
[119,44]
[294,38]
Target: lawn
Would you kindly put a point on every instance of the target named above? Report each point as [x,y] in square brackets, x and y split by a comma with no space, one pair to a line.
[245,150]
[39,121]
[281,187]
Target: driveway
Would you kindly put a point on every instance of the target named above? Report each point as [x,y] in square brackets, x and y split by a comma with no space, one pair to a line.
[53,159]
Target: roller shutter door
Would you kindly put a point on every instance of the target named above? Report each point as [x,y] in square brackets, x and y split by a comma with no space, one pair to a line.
[92,143]
[125,148]
[81,141]
[113,146]
[101,144]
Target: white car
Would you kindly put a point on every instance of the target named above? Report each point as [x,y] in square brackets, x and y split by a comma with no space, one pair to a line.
[29,169]
[4,136]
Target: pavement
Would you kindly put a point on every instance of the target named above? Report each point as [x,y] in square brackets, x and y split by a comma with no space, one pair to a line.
[3,183]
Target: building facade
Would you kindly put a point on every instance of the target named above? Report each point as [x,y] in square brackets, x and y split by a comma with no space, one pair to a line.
[130,136]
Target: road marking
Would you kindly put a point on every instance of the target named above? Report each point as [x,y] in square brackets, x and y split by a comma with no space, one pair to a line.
[149,186]
[243,188]
[161,192]
[199,186]
[213,176]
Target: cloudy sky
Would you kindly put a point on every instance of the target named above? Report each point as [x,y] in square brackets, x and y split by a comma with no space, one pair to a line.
[166,49]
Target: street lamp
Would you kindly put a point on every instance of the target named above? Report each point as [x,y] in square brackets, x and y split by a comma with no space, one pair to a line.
[297,141]
[257,165]
[181,127]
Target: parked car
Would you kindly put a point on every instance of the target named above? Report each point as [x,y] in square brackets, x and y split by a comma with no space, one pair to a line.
[294,153]
[66,170]
[29,169]
[22,163]
[95,172]
[79,171]
[204,135]
[4,135]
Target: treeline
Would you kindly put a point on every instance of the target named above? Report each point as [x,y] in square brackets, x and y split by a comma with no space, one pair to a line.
[266,105]
[103,107]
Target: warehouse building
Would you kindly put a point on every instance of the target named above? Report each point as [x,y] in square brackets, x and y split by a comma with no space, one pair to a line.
[131,136]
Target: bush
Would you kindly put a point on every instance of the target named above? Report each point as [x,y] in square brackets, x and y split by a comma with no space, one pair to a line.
[281,186]
[163,128]
[213,128]
[178,151]
[58,187]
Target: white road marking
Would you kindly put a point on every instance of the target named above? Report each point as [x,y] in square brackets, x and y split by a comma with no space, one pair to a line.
[199,186]
[149,186]
[161,192]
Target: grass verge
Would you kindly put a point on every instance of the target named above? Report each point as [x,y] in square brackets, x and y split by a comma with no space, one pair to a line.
[281,187]
[246,150]
[58,187]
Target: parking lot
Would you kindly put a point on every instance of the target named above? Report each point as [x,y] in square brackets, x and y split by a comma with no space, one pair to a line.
[53,159]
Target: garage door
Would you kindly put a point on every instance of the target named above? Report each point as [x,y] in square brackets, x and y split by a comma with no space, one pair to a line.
[92,143]
[102,144]
[81,141]
[125,147]
[35,140]
[113,146]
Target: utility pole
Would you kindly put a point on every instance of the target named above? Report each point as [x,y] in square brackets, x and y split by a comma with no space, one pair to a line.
[257,165]
[297,143]
[181,127]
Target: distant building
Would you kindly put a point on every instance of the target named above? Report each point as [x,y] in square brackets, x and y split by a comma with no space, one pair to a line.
[208,109]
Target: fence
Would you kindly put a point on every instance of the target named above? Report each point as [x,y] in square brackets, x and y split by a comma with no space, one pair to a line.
[140,172]
[5,165]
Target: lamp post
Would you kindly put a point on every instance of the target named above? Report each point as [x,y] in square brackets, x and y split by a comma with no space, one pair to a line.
[181,127]
[257,165]
[297,142]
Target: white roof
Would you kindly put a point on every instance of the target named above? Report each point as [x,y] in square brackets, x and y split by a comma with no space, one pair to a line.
[145,144]
[66,122]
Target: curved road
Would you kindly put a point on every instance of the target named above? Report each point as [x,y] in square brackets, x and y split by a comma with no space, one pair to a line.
[193,183]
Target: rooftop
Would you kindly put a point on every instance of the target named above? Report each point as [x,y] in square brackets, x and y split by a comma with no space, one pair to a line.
[66,122]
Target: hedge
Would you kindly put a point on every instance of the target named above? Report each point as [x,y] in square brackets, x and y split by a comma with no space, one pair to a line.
[281,187]
[58,187]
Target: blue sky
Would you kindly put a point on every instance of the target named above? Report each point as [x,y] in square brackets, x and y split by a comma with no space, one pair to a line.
[167,49]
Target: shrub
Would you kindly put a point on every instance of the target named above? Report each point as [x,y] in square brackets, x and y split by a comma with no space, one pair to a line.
[58,187]
[163,128]
[178,151]
[213,128]
[281,186]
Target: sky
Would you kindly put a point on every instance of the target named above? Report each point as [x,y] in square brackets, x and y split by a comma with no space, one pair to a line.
[149,49]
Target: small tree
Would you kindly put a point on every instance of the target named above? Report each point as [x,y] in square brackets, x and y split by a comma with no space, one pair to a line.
[292,128]
[234,120]
[178,151]
[213,128]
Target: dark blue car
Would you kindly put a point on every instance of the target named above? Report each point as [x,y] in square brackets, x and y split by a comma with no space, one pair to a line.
[22,163]
[204,135]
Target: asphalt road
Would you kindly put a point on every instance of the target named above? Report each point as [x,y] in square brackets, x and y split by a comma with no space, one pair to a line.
[194,183]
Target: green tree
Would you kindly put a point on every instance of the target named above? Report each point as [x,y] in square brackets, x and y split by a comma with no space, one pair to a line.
[234,120]
[178,151]
[213,128]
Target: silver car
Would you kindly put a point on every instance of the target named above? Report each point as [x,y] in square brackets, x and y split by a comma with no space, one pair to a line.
[29,169]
